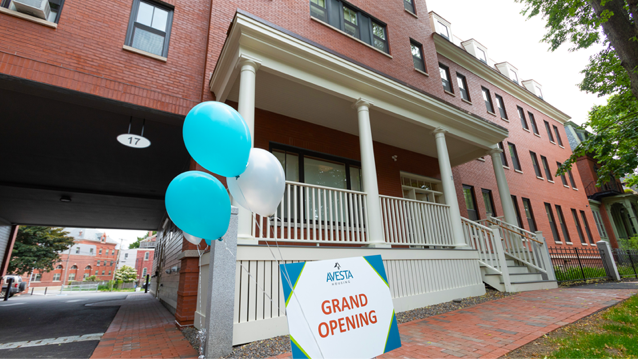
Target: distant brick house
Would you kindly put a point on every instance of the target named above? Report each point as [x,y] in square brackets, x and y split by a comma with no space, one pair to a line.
[92,253]
[140,258]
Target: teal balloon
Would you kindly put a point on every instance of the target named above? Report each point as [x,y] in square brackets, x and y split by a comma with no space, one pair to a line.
[217,138]
[199,205]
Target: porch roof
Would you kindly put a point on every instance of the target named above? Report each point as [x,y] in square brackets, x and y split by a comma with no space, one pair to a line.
[304,80]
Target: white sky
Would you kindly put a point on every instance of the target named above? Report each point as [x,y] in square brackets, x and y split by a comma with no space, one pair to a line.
[508,36]
[128,235]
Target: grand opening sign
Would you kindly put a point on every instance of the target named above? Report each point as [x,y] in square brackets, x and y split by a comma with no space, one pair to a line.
[339,308]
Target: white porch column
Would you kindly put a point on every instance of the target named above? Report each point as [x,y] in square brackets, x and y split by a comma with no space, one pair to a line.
[246,108]
[503,188]
[449,190]
[369,175]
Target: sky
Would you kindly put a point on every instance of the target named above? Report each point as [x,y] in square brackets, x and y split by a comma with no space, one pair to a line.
[128,236]
[509,36]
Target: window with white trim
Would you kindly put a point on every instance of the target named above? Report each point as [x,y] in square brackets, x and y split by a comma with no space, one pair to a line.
[421,188]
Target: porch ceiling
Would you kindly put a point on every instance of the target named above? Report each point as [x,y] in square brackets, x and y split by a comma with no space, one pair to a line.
[285,97]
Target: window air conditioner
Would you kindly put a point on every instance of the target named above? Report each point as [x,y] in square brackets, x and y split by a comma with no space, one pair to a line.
[37,8]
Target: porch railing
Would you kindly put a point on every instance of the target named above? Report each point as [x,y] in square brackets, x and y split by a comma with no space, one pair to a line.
[417,223]
[317,214]
[523,246]
[487,244]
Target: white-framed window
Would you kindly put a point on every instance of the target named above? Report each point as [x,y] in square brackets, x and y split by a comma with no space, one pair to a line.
[100,252]
[36,277]
[91,250]
[77,250]
[59,266]
[71,277]
[112,251]
[599,224]
[98,263]
[146,256]
[74,267]
[102,272]
[86,275]
[144,272]
[109,272]
[421,188]
[56,277]
[125,255]
[442,29]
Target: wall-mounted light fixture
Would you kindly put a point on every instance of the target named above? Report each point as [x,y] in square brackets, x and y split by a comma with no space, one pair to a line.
[65,199]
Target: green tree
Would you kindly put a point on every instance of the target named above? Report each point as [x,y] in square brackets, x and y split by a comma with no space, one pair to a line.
[136,244]
[91,279]
[612,72]
[38,248]
[126,274]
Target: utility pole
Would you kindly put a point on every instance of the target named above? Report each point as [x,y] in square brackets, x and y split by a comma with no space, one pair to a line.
[66,268]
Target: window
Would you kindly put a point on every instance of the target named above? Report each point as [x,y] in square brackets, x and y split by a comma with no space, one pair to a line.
[350,23]
[58,266]
[552,222]
[102,272]
[462,82]
[91,250]
[488,100]
[571,179]
[548,173]
[442,29]
[562,177]
[318,9]
[409,5]
[111,263]
[74,267]
[578,229]
[521,115]
[417,55]
[470,202]
[146,256]
[514,76]
[87,268]
[149,27]
[560,141]
[549,132]
[503,157]
[125,255]
[445,78]
[98,263]
[532,121]
[144,272]
[109,272]
[535,163]
[86,275]
[501,106]
[421,188]
[481,55]
[563,225]
[599,224]
[36,277]
[77,250]
[100,252]
[529,214]
[514,155]
[112,251]
[71,277]
[540,93]
[54,5]
[56,277]
[489,203]
[518,212]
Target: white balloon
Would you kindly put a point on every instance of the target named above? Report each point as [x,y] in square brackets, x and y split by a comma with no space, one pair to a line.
[261,187]
[192,239]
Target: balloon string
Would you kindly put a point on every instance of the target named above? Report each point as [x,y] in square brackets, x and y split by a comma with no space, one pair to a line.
[287,277]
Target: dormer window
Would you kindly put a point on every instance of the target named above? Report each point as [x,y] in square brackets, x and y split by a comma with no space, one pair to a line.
[539,92]
[533,87]
[442,30]
[514,76]
[481,55]
[476,49]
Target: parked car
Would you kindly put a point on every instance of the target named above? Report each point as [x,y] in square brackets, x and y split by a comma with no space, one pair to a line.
[17,285]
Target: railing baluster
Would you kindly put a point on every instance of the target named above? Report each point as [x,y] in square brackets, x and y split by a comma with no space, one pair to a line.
[289,219]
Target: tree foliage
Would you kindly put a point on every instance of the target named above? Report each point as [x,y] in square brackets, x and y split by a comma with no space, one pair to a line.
[92,278]
[136,244]
[38,248]
[126,274]
[612,72]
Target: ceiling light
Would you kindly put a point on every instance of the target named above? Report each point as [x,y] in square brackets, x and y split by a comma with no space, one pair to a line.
[65,199]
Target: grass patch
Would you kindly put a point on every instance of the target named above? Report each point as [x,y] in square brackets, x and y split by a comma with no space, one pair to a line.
[117,290]
[615,335]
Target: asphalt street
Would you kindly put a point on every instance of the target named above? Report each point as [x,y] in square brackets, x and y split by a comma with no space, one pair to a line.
[29,318]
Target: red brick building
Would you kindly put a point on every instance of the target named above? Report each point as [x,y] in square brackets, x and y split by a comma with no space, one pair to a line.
[374,107]
[92,253]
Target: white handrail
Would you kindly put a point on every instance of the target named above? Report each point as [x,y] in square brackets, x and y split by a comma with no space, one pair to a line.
[482,239]
[522,245]
[416,223]
[317,214]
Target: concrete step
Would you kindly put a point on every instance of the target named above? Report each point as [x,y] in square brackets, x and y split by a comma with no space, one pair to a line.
[522,277]
[536,285]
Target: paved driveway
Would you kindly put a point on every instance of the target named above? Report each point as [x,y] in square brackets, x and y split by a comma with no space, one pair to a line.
[54,326]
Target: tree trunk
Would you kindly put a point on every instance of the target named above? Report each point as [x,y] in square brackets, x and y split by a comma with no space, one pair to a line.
[620,31]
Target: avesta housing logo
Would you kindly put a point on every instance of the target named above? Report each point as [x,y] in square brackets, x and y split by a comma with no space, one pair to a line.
[339,277]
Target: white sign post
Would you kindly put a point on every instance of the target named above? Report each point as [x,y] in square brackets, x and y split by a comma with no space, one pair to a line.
[339,308]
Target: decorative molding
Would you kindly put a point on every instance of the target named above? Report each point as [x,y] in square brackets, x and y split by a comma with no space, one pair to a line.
[464,59]
[361,102]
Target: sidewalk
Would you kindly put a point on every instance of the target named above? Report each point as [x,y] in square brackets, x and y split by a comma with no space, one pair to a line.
[492,329]
[142,328]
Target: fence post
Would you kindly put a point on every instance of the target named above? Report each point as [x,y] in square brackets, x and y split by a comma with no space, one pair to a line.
[547,259]
[631,260]
[608,260]
[148,277]
[500,253]
[580,264]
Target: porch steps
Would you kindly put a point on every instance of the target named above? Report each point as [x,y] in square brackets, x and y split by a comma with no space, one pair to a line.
[522,278]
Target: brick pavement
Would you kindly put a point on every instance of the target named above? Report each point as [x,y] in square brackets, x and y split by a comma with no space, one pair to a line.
[142,328]
[494,328]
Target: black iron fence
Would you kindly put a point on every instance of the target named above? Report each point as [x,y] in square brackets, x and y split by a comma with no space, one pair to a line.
[577,264]
[626,262]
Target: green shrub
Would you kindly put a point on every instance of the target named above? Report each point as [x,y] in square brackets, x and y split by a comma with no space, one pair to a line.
[575,273]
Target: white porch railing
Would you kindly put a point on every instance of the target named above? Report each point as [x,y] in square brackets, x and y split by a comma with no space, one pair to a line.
[316,214]
[523,246]
[483,240]
[411,222]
